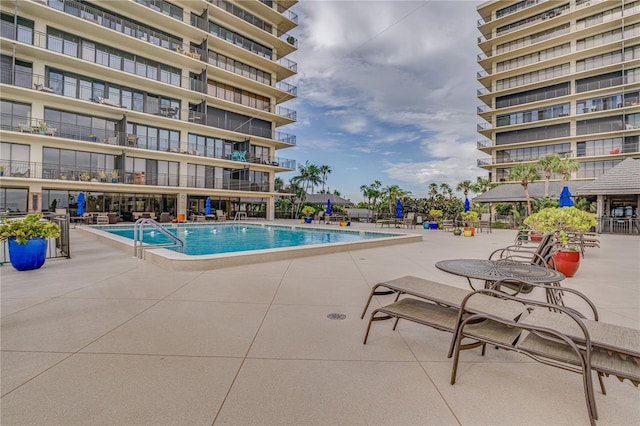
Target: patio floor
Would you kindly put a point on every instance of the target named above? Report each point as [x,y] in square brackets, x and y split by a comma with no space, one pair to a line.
[106,339]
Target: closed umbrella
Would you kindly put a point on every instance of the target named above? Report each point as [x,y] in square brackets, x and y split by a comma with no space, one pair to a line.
[81,204]
[467,205]
[207,206]
[328,211]
[399,209]
[565,198]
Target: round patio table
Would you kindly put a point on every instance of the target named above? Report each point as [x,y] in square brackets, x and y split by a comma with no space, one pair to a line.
[491,271]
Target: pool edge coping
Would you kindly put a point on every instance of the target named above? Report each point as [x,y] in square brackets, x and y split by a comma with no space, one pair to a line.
[175,261]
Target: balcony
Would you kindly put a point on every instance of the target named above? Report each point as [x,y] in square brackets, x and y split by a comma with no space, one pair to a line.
[484,162]
[484,144]
[115,23]
[106,178]
[41,84]
[38,126]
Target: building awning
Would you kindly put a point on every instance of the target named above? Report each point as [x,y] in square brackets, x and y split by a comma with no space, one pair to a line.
[623,179]
[514,192]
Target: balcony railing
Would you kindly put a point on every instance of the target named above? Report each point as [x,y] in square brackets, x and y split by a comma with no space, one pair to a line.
[109,177]
[484,162]
[40,83]
[484,144]
[38,126]
[483,126]
[483,108]
[130,28]
[115,23]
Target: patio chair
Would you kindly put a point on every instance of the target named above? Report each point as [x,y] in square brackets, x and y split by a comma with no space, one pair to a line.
[221,216]
[165,217]
[553,335]
[102,219]
[319,217]
[410,220]
[448,225]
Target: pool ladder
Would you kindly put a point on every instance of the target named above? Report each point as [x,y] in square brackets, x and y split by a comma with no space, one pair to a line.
[138,246]
[240,216]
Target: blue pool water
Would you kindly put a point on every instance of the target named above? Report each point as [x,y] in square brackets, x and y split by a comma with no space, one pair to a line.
[227,238]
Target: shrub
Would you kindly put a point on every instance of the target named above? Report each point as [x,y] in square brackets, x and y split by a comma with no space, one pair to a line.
[32,226]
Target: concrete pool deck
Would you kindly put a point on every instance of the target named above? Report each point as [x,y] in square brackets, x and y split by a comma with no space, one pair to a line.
[103,338]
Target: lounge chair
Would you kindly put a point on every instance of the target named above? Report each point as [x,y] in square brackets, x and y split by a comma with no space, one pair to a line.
[319,217]
[437,306]
[553,335]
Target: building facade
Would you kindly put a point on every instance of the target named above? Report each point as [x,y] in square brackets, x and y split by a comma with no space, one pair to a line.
[559,77]
[145,105]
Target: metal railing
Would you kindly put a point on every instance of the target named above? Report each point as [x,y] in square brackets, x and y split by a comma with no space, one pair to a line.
[138,237]
[94,175]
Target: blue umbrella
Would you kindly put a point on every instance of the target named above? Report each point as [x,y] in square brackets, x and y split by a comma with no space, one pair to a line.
[328,211]
[399,209]
[207,206]
[467,205]
[80,204]
[565,198]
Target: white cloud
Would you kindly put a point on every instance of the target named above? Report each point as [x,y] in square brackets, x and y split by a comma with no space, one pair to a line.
[389,79]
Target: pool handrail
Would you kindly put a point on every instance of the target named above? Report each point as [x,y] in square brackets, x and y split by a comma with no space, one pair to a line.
[138,248]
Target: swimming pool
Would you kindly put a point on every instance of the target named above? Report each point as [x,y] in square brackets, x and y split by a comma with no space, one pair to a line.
[211,246]
[223,238]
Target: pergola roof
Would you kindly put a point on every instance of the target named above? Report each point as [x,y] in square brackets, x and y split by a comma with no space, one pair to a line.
[623,179]
[513,192]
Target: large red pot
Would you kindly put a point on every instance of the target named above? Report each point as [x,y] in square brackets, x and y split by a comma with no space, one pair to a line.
[567,262]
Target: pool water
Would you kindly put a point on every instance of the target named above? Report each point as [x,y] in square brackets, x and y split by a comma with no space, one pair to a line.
[216,239]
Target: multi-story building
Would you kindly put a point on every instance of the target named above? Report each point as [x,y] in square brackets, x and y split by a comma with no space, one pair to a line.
[145,105]
[559,77]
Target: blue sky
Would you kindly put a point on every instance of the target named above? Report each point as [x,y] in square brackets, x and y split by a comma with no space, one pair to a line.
[386,91]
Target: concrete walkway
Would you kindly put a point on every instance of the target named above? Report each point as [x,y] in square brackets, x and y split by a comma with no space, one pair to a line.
[106,339]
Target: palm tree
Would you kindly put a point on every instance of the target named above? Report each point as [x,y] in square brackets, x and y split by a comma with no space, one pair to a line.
[481,186]
[309,176]
[525,173]
[392,193]
[324,171]
[549,164]
[433,189]
[465,186]
[566,166]
[446,189]
[372,192]
[278,184]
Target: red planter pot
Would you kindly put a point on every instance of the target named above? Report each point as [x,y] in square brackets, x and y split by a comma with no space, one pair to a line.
[567,262]
[535,236]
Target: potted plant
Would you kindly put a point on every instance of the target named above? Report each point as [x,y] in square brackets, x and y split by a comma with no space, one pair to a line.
[308,211]
[84,175]
[28,240]
[435,216]
[93,138]
[114,176]
[565,221]
[103,176]
[42,127]
[1,170]
[457,231]
[468,218]
[523,233]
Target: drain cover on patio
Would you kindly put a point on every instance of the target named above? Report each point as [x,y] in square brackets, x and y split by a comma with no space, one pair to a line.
[335,316]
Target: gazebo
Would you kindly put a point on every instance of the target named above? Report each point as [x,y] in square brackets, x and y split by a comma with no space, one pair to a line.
[617,195]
